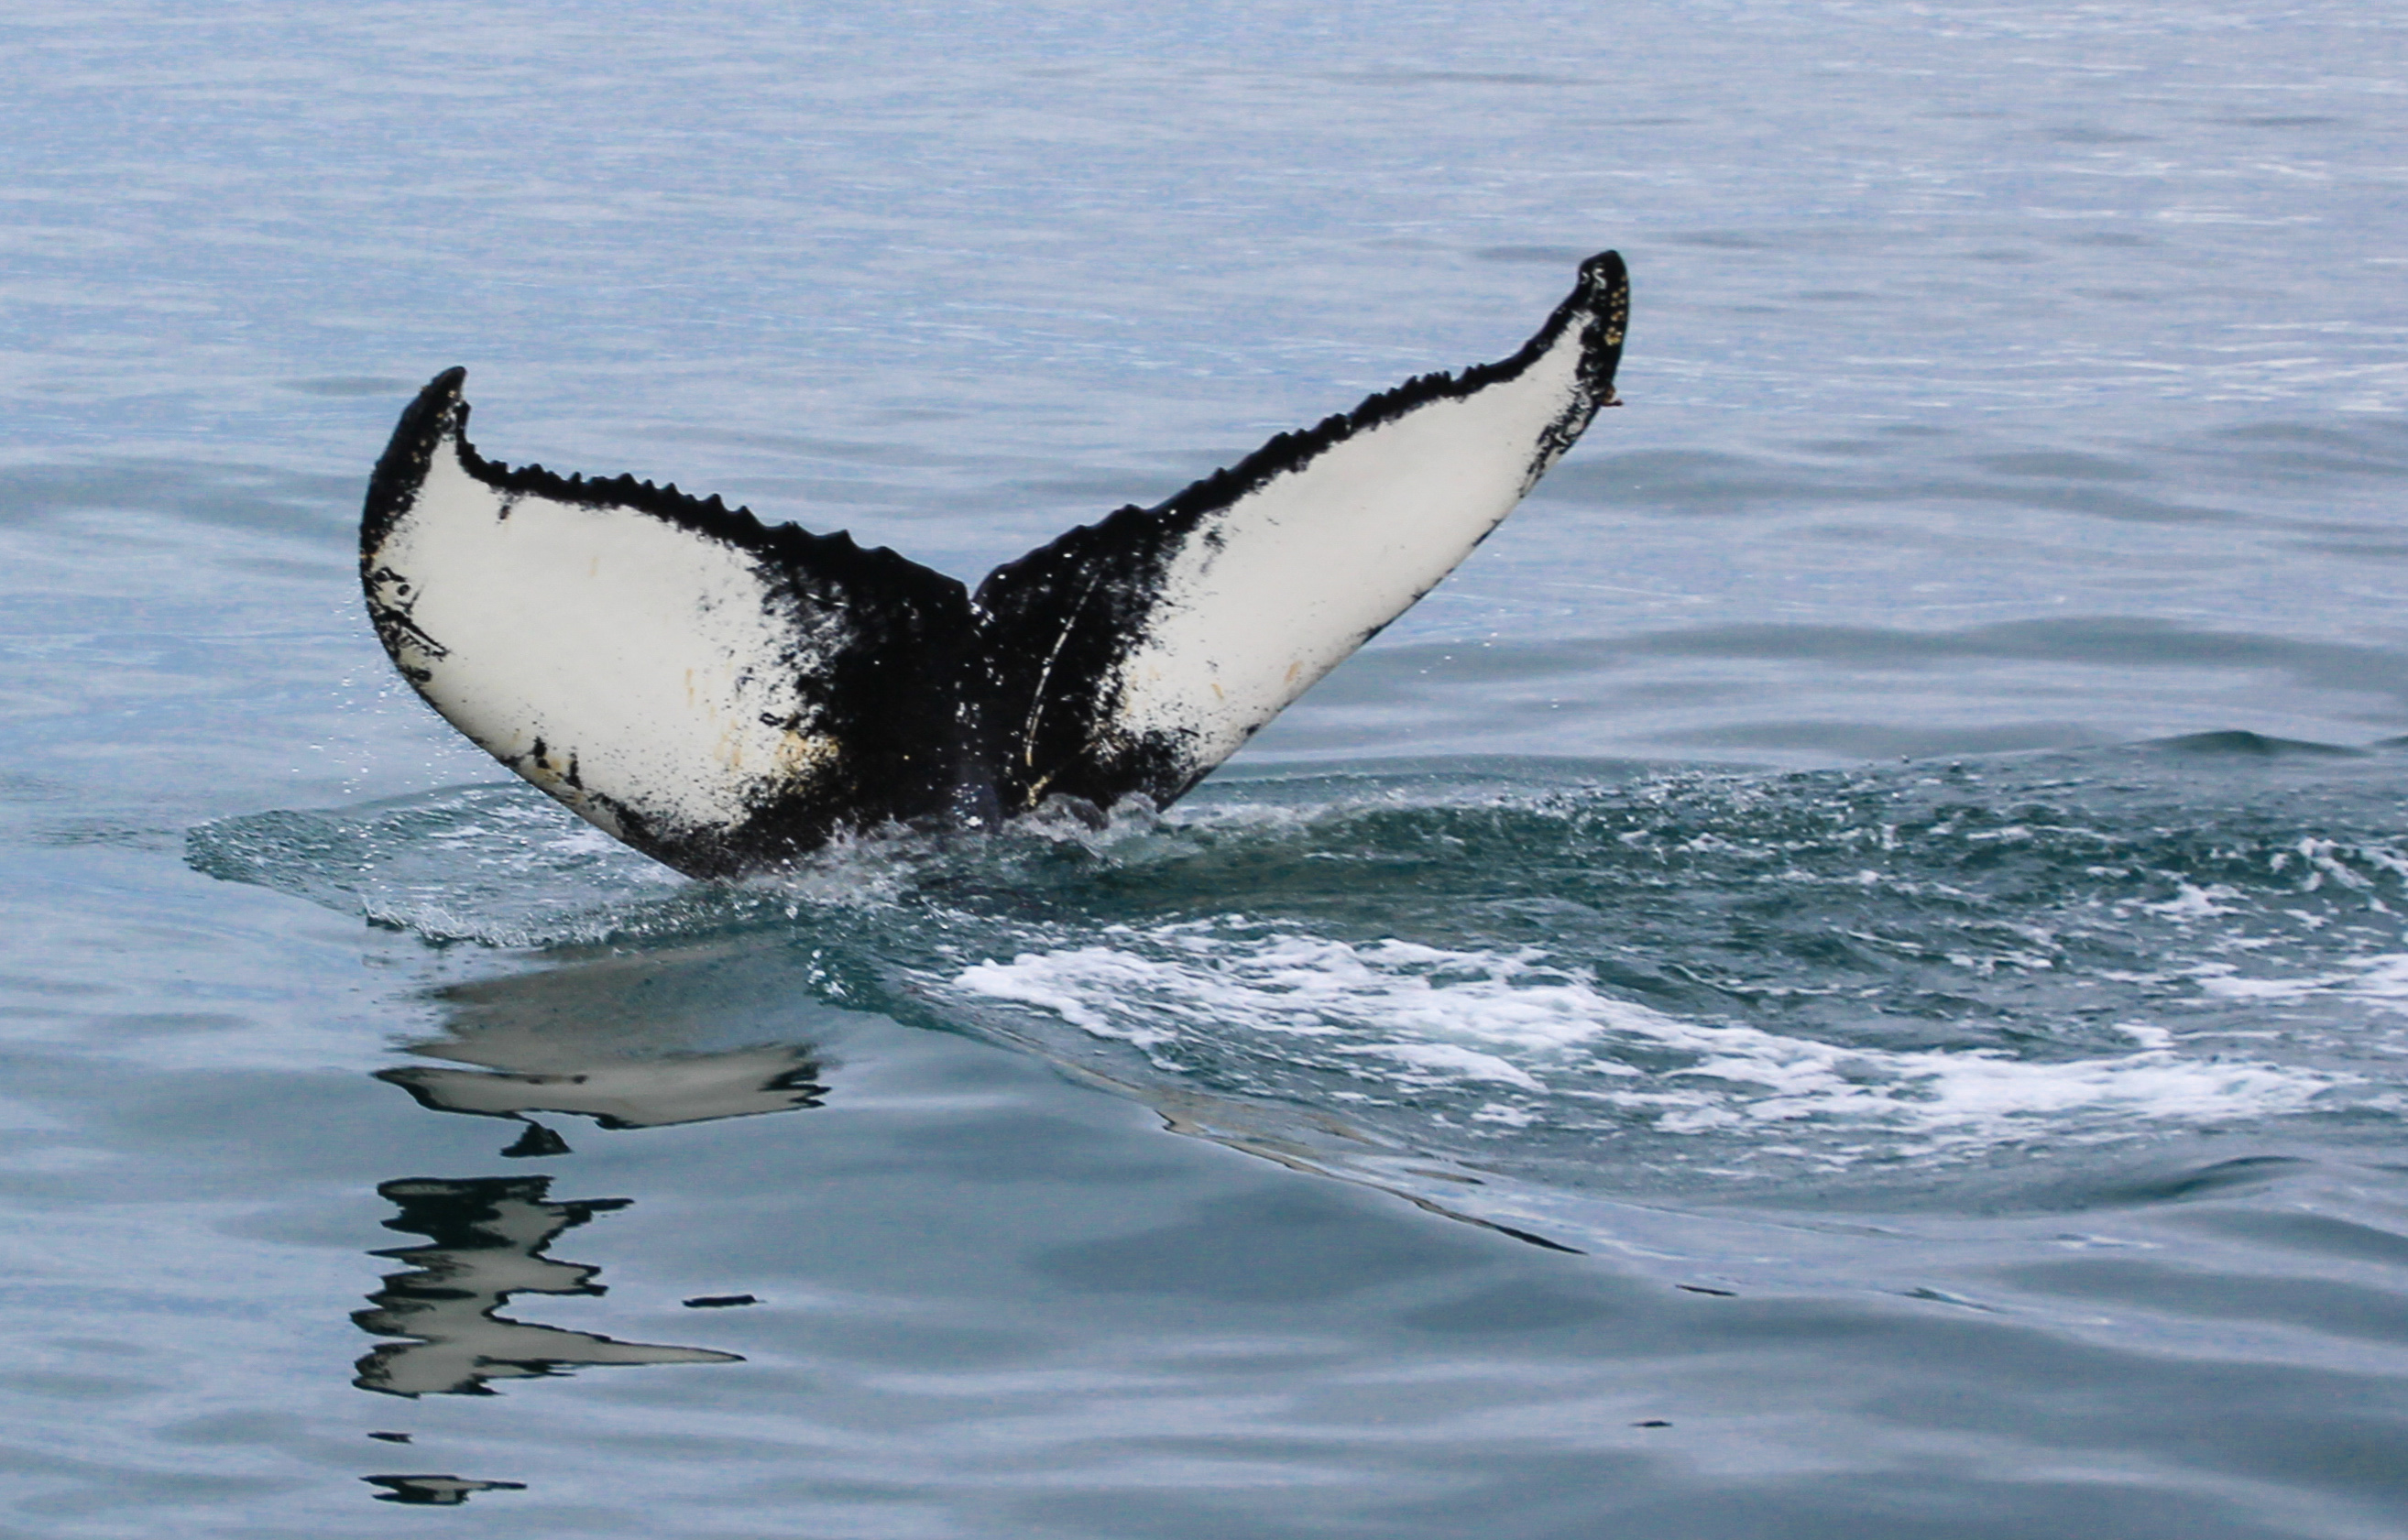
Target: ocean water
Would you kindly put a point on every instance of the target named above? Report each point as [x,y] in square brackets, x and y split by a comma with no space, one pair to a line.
[1847,975]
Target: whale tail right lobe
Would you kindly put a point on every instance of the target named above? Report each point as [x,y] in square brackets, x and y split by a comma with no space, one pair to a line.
[1135,654]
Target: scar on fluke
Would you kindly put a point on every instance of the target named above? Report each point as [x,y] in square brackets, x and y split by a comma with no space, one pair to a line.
[726,695]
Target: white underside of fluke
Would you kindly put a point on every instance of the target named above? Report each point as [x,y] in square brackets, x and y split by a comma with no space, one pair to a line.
[609,656]
[1273,592]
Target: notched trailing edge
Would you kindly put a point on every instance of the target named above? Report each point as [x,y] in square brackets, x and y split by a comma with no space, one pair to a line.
[1293,451]
[439,410]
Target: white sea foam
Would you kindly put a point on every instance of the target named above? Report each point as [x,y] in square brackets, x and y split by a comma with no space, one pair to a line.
[2380,981]
[1527,1040]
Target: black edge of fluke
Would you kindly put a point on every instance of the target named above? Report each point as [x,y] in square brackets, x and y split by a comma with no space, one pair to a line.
[401,470]
[946,704]
[440,408]
[1599,301]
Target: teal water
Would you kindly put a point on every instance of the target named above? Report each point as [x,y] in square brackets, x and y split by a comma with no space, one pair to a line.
[1845,976]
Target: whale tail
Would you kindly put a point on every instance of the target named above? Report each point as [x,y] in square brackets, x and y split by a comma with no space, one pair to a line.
[726,695]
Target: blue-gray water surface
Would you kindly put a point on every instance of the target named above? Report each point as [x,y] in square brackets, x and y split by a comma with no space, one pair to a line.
[1844,977]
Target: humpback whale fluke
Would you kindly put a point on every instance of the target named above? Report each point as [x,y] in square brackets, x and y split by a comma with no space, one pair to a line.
[726,695]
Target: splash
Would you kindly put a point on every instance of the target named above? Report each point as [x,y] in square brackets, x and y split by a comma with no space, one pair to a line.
[1615,977]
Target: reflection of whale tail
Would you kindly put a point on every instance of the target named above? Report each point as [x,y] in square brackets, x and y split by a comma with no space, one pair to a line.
[435,1492]
[723,695]
[488,1237]
[627,1093]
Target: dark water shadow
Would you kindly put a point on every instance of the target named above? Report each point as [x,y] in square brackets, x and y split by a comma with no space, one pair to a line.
[243,498]
[1720,484]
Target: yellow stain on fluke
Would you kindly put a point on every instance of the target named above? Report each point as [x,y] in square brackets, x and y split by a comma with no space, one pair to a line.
[801,755]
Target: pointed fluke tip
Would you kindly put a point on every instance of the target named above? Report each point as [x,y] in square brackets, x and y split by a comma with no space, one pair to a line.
[1604,271]
[445,388]
[1604,292]
[439,407]
[1604,289]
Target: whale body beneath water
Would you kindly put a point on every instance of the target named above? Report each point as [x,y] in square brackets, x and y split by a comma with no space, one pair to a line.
[726,696]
